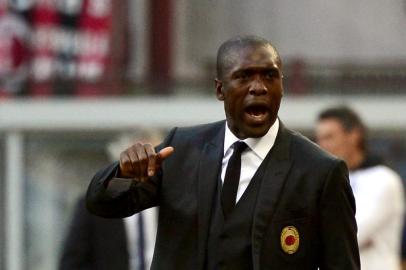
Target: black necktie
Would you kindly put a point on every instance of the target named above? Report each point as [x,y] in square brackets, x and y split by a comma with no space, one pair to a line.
[232,179]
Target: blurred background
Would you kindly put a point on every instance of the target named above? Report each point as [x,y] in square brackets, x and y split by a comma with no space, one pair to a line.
[76,75]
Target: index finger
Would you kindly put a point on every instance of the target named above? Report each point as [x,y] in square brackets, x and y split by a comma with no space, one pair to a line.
[152,158]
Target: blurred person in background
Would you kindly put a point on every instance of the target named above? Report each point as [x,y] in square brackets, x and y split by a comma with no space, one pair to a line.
[95,243]
[378,190]
[14,51]
[103,244]
[242,193]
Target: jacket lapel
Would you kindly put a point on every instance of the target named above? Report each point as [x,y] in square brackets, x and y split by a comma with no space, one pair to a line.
[271,186]
[209,168]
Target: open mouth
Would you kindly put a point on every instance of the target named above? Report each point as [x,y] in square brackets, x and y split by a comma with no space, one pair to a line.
[257,113]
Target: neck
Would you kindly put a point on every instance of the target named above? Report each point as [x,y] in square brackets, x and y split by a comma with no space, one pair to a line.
[355,160]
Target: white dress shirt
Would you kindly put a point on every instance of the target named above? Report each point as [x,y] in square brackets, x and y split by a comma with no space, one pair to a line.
[251,158]
[150,227]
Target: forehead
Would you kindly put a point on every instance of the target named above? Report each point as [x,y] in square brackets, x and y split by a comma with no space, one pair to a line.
[329,125]
[254,56]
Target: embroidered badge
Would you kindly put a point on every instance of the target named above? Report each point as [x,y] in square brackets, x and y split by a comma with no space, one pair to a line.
[290,239]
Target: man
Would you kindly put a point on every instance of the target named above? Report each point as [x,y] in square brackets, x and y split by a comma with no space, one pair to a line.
[245,193]
[377,189]
[96,243]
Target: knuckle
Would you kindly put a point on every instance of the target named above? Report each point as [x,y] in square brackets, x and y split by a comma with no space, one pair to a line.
[143,158]
[124,161]
[152,156]
[148,145]
[138,145]
[123,155]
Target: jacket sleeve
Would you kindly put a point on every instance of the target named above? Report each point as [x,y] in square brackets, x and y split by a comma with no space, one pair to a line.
[112,197]
[338,228]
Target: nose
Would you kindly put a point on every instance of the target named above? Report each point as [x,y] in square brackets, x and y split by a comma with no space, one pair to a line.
[258,87]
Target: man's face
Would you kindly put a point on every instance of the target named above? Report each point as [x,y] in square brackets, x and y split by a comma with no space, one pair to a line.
[332,137]
[252,91]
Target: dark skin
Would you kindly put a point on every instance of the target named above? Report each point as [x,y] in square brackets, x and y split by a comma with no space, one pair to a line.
[140,161]
[251,90]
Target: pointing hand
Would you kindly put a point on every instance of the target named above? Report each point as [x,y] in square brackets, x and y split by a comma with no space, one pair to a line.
[140,161]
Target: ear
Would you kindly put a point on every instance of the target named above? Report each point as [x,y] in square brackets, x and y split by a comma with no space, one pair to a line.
[219,89]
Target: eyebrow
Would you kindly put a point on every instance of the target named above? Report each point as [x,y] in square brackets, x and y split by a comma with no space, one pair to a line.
[256,69]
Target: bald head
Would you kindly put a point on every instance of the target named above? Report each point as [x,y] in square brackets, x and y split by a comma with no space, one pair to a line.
[228,52]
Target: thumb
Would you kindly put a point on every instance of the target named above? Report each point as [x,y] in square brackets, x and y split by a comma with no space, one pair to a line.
[156,162]
[165,152]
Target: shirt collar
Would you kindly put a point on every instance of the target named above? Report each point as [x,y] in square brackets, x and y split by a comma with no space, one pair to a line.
[260,146]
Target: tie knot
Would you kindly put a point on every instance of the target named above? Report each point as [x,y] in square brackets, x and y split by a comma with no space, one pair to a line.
[239,147]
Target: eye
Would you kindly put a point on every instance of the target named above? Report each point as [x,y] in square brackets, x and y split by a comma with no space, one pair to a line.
[242,75]
[272,74]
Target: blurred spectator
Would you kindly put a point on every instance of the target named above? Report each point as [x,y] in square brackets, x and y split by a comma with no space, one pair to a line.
[121,244]
[75,47]
[104,244]
[378,190]
[14,52]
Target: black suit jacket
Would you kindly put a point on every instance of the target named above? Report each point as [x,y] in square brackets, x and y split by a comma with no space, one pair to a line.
[94,243]
[303,187]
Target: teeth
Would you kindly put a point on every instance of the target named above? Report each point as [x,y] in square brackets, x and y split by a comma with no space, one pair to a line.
[256,111]
[256,114]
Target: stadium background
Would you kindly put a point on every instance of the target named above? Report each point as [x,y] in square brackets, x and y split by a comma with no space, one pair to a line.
[77,74]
